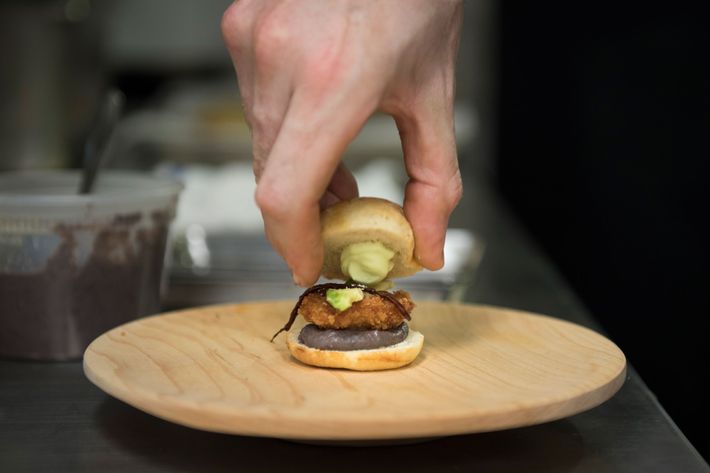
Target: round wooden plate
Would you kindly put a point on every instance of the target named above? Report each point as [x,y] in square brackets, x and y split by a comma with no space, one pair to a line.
[482,368]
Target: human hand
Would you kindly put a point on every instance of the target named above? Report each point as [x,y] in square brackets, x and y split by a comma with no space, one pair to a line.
[310,75]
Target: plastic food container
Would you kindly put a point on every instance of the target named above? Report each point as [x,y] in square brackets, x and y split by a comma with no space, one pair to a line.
[73,266]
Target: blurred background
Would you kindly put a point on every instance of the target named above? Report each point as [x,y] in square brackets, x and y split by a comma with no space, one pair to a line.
[590,122]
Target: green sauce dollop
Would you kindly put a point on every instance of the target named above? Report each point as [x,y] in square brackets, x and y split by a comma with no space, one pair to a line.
[367,262]
[342,299]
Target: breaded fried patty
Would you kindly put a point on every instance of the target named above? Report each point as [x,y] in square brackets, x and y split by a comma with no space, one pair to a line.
[373,312]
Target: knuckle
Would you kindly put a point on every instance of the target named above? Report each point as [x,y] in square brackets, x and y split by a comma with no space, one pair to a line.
[235,24]
[325,68]
[272,34]
[270,201]
[264,198]
[264,116]
[454,191]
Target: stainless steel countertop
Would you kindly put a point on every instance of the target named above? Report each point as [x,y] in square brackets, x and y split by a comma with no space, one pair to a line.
[53,419]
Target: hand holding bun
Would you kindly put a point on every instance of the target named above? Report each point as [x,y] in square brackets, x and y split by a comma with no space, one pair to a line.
[310,78]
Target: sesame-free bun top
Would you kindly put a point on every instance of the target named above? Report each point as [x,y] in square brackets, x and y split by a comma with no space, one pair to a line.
[367,219]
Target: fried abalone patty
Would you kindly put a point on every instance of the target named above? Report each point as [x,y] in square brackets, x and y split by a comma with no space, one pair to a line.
[372,312]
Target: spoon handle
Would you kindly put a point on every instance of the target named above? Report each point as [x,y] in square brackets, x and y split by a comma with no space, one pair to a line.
[99,137]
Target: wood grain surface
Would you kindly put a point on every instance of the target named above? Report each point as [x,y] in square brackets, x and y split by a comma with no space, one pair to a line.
[482,368]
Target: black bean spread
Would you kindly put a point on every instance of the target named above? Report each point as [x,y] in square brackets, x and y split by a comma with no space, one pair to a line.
[351,339]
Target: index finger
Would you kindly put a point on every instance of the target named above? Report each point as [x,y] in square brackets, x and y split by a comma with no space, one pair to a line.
[301,164]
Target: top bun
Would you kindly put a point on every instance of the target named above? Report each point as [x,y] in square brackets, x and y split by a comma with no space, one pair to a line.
[367,219]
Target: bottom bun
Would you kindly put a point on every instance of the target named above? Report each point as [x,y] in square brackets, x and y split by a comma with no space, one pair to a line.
[384,358]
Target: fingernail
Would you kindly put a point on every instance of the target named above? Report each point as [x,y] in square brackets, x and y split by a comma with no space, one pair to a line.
[296,280]
[328,199]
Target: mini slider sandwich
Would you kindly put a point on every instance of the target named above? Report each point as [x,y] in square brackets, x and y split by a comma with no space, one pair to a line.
[358,324]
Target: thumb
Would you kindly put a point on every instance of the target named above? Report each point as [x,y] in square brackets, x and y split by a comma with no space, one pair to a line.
[434,187]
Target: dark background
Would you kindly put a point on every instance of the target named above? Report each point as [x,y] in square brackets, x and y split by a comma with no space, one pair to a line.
[603,153]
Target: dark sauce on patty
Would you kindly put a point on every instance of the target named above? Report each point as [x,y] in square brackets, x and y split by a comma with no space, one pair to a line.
[321,290]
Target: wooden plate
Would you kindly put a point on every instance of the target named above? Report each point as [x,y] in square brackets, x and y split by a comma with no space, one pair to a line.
[481,369]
